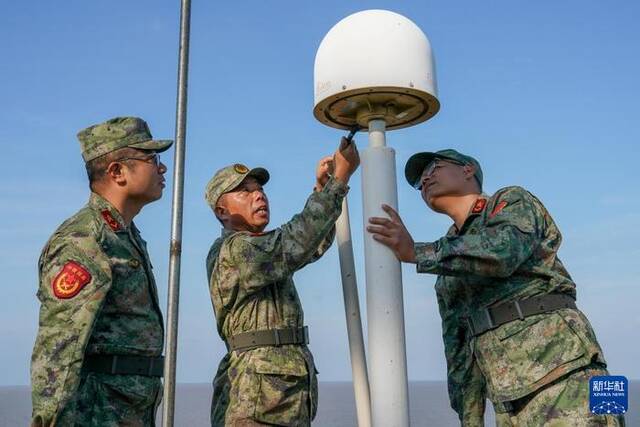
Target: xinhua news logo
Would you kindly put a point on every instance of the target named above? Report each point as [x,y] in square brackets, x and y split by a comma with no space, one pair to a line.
[608,395]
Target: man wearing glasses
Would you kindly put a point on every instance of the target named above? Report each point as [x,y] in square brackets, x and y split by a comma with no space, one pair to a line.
[97,357]
[511,328]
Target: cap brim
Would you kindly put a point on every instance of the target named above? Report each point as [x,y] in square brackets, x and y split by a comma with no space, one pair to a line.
[261,174]
[157,145]
[415,166]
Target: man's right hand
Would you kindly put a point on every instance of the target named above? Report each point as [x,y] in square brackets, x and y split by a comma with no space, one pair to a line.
[346,160]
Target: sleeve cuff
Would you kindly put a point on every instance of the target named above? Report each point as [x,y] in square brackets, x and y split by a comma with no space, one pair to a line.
[336,187]
[425,257]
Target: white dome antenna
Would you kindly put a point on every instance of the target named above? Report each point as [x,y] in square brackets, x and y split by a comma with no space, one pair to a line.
[374,64]
[374,70]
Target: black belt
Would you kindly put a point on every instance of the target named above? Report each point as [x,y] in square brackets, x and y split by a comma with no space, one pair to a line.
[489,318]
[268,337]
[124,365]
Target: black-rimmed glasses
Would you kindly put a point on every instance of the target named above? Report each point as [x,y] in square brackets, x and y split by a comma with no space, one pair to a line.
[153,159]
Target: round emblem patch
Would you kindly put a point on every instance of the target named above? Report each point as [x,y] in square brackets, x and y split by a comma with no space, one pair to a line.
[70,280]
[240,168]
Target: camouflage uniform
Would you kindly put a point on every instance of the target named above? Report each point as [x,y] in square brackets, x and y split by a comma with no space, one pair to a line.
[534,370]
[252,288]
[98,297]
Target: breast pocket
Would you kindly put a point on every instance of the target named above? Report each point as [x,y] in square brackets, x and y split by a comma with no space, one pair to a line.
[517,355]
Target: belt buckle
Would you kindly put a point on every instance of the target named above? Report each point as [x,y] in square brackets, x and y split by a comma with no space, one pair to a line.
[276,335]
[305,332]
[150,370]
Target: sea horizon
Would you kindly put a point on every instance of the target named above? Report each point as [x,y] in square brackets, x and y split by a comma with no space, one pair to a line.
[428,405]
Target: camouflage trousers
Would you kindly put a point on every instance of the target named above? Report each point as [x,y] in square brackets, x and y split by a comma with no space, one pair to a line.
[563,403]
[105,400]
[245,394]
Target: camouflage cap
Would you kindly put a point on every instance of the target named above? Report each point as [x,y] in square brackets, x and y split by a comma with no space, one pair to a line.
[117,133]
[418,162]
[228,178]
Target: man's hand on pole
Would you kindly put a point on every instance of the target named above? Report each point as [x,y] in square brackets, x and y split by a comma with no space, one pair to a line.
[392,233]
[346,160]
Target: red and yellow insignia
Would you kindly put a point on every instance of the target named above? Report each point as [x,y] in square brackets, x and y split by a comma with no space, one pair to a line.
[240,168]
[110,220]
[498,208]
[479,206]
[71,279]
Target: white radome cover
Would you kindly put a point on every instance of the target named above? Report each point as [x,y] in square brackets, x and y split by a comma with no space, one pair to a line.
[374,49]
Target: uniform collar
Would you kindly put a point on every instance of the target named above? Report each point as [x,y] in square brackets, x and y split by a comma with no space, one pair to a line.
[226,233]
[108,213]
[477,208]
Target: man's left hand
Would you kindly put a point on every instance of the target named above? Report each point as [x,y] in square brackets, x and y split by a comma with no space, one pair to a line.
[392,233]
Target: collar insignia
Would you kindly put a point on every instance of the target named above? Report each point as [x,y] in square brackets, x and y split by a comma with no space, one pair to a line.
[110,220]
[479,205]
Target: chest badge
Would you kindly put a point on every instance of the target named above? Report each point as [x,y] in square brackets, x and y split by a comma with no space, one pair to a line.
[70,280]
[479,206]
[110,220]
[134,263]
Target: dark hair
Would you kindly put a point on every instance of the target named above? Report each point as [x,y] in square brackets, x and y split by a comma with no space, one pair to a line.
[97,168]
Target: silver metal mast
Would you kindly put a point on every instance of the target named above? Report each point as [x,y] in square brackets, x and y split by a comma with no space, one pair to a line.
[354,322]
[175,251]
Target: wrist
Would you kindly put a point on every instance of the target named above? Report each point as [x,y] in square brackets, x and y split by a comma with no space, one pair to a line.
[411,256]
[342,176]
[321,182]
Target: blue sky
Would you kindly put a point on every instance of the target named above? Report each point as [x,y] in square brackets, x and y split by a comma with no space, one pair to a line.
[544,94]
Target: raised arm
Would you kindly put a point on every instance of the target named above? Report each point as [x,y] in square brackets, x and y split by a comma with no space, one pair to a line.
[508,239]
[261,259]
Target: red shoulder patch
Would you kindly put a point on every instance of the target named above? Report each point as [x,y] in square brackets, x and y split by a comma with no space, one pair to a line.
[110,220]
[498,208]
[479,206]
[71,279]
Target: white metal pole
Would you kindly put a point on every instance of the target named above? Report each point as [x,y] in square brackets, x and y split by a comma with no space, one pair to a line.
[385,311]
[354,322]
[175,250]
